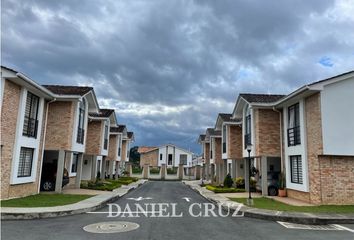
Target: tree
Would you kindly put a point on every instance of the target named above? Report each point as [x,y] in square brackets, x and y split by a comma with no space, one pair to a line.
[134,156]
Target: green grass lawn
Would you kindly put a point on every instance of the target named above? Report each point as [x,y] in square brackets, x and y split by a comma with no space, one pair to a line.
[44,200]
[217,189]
[271,204]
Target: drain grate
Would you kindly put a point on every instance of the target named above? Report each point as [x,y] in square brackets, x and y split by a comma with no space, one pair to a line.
[111,227]
[310,227]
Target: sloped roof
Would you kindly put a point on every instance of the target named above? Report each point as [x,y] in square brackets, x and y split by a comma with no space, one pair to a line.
[68,90]
[227,117]
[261,98]
[130,134]
[144,149]
[213,132]
[201,137]
[103,113]
[118,129]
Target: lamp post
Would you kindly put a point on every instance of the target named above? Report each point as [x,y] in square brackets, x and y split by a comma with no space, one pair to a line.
[249,149]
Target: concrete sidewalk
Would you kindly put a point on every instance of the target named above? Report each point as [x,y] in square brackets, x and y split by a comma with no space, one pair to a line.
[295,217]
[87,205]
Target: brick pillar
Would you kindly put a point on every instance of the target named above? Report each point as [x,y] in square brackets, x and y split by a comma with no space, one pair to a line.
[207,171]
[146,171]
[163,171]
[128,168]
[212,173]
[197,170]
[79,171]
[180,171]
[60,171]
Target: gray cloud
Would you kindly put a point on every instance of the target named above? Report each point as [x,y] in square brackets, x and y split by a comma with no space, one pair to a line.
[169,67]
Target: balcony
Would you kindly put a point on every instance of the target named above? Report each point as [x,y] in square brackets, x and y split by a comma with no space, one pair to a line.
[247,140]
[294,136]
[80,135]
[30,127]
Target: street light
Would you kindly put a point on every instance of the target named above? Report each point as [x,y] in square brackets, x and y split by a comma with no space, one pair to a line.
[249,149]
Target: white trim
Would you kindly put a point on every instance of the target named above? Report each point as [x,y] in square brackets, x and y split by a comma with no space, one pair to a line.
[296,150]
[23,141]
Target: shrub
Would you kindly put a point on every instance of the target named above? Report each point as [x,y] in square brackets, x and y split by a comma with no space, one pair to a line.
[154,170]
[172,170]
[240,182]
[137,170]
[228,181]
[216,189]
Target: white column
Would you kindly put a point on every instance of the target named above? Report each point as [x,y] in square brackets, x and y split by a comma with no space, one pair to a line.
[79,171]
[60,171]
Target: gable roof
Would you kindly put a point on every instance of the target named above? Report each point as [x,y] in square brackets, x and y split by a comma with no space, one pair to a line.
[103,113]
[213,132]
[225,118]
[261,98]
[118,129]
[68,90]
[145,149]
[130,135]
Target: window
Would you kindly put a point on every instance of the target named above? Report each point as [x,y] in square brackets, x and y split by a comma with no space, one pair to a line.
[119,146]
[211,149]
[160,156]
[74,162]
[105,143]
[169,159]
[183,159]
[30,123]
[296,169]
[247,136]
[224,139]
[294,125]
[25,164]
[81,123]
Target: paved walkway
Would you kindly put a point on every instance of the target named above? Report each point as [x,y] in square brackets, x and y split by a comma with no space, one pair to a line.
[296,217]
[83,191]
[86,205]
[290,201]
[240,195]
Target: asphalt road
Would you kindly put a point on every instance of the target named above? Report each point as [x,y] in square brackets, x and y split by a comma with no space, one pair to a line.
[186,227]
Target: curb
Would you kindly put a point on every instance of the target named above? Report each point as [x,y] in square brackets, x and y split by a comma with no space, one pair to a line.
[72,209]
[271,215]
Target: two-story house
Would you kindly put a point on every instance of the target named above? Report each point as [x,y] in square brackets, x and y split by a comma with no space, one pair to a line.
[113,165]
[261,136]
[216,163]
[126,142]
[204,142]
[66,131]
[318,141]
[97,142]
[231,142]
[24,107]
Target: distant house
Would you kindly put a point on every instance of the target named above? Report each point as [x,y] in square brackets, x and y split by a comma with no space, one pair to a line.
[169,155]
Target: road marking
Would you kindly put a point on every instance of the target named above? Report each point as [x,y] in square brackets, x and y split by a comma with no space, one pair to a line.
[312,227]
[139,198]
[187,199]
[343,228]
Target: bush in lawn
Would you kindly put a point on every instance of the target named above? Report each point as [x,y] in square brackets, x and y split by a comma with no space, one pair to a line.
[228,181]
[154,170]
[172,170]
[240,182]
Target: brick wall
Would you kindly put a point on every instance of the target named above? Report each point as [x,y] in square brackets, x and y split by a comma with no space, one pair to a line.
[113,147]
[337,179]
[9,116]
[267,132]
[60,126]
[218,156]
[94,137]
[314,145]
[207,152]
[303,196]
[150,158]
[124,150]
[234,141]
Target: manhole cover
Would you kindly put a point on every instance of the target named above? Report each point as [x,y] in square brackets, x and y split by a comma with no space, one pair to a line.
[111,227]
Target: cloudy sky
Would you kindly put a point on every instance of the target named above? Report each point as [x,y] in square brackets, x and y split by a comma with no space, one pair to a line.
[168,67]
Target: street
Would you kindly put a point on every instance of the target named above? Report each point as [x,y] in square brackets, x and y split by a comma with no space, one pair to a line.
[186,227]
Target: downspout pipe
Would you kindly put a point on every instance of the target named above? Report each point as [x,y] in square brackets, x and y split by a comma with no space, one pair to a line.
[43,144]
[281,139]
